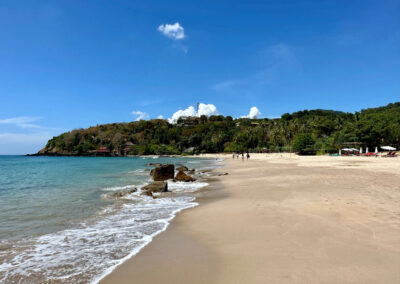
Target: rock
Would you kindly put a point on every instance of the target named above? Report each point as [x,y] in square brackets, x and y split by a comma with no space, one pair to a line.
[191,172]
[154,164]
[224,174]
[163,172]
[124,192]
[147,170]
[182,168]
[181,176]
[156,186]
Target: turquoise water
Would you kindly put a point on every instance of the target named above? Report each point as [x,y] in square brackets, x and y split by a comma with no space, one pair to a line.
[59,221]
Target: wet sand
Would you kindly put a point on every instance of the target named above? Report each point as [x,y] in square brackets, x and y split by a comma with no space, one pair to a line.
[283,219]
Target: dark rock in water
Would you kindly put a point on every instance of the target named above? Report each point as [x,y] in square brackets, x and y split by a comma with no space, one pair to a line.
[182,168]
[224,174]
[181,176]
[154,164]
[163,172]
[124,192]
[191,172]
[157,186]
[147,170]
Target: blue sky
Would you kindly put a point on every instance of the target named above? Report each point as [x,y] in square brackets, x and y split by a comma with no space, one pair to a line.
[73,64]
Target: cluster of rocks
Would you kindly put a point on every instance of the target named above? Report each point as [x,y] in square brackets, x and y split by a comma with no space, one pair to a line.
[156,186]
[163,172]
[160,174]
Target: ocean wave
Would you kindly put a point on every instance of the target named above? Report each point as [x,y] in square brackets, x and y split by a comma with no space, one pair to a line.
[180,186]
[92,250]
[119,188]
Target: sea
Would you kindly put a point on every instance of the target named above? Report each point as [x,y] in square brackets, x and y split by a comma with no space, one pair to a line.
[61,221]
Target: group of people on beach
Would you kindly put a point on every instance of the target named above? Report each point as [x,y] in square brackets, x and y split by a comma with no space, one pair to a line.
[238,154]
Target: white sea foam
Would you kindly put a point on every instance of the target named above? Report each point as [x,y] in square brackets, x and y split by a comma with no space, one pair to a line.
[185,186]
[92,250]
[119,188]
[138,172]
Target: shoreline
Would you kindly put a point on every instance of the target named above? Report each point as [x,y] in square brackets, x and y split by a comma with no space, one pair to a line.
[123,224]
[333,218]
[184,245]
[200,195]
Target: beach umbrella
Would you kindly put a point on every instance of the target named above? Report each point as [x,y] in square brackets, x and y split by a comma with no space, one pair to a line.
[376,150]
[388,148]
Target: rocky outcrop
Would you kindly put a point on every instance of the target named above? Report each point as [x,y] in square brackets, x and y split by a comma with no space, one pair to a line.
[182,168]
[163,172]
[123,193]
[181,176]
[157,186]
[191,172]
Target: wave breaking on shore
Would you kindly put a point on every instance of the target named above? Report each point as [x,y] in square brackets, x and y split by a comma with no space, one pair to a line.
[92,249]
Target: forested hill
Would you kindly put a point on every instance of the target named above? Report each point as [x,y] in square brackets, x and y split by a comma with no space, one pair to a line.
[309,131]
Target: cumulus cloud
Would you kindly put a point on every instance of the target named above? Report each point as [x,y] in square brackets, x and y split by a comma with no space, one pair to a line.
[174,31]
[140,115]
[22,121]
[203,109]
[190,111]
[253,113]
[160,116]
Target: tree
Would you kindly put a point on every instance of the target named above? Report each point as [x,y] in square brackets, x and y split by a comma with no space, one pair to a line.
[304,144]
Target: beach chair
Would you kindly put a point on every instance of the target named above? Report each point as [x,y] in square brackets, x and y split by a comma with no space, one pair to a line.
[390,154]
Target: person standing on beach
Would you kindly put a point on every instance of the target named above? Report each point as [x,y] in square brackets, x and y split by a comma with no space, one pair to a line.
[248,156]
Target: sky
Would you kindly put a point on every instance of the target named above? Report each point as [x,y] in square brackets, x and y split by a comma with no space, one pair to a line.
[74,64]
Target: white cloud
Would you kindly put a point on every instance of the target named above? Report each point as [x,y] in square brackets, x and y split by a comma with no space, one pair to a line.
[174,31]
[207,109]
[203,109]
[160,116]
[253,113]
[190,111]
[22,121]
[140,115]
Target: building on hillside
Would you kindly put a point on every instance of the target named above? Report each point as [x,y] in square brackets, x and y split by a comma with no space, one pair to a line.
[102,151]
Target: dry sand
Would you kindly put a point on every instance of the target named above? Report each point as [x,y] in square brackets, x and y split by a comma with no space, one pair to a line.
[283,219]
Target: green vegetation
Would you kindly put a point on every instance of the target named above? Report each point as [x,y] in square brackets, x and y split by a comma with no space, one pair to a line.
[304,144]
[307,132]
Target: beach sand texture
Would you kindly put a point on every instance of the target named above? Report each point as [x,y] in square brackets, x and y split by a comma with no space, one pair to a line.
[283,219]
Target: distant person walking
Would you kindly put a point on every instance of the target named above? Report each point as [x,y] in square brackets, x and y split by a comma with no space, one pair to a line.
[248,156]
[242,156]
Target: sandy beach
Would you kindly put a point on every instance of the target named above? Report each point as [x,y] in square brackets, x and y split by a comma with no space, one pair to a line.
[282,219]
